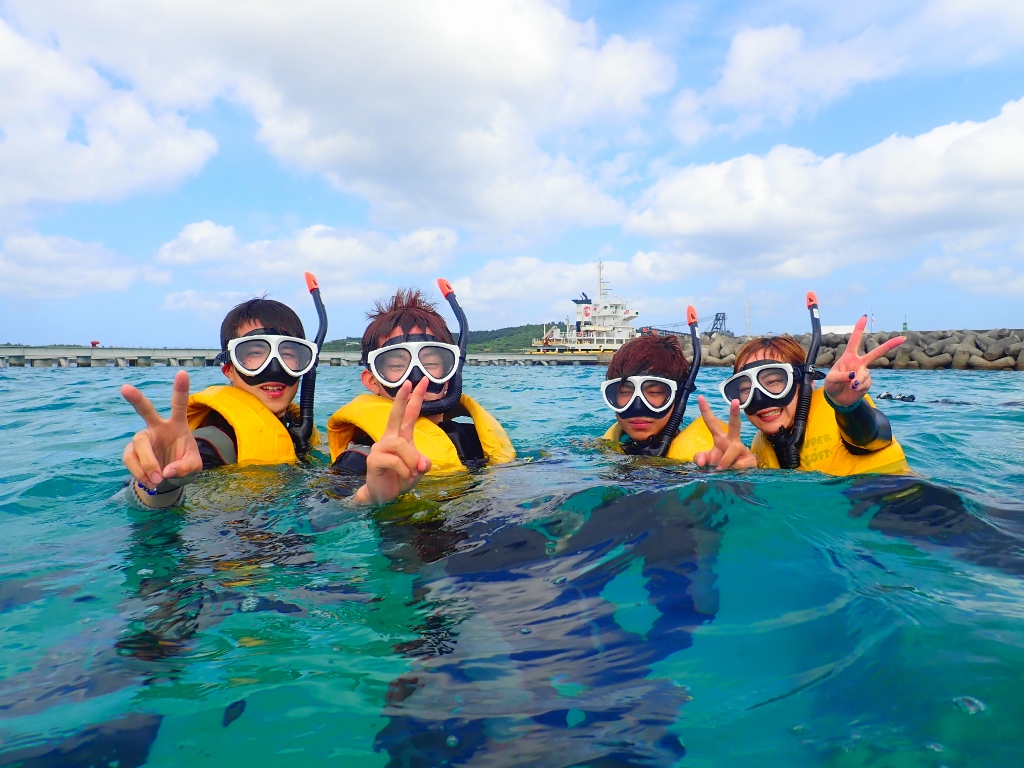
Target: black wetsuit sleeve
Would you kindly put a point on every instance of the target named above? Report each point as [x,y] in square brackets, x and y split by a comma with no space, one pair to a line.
[352,460]
[216,449]
[864,429]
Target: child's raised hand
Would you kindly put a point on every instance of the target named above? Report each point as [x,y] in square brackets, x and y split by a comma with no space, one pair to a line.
[849,378]
[394,466]
[729,451]
[166,447]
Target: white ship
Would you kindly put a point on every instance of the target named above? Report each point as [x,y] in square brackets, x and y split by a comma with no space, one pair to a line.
[601,325]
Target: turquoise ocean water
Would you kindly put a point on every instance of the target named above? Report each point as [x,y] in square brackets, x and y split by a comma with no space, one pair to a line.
[573,608]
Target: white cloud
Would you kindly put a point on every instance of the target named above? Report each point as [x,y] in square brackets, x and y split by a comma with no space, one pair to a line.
[334,256]
[203,302]
[57,267]
[778,73]
[793,213]
[521,289]
[432,111]
[773,75]
[68,135]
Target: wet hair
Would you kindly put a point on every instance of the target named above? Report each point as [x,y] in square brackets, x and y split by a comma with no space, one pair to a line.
[651,355]
[406,310]
[784,349]
[269,313]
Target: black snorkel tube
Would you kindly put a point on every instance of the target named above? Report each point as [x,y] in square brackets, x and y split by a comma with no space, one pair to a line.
[302,430]
[788,442]
[659,446]
[454,396]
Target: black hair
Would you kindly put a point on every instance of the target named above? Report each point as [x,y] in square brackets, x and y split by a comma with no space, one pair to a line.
[269,313]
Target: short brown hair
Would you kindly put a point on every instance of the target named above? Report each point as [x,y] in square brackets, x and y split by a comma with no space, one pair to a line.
[267,312]
[652,355]
[406,310]
[783,349]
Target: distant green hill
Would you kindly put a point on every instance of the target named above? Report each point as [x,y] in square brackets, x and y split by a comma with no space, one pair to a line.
[500,340]
[504,339]
[348,344]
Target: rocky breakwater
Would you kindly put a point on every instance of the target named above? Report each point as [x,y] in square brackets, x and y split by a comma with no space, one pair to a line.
[995,350]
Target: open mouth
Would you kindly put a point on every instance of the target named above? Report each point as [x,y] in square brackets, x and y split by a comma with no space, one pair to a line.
[769,414]
[273,390]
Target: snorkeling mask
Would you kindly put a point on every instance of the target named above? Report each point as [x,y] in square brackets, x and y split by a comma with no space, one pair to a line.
[788,442]
[639,396]
[413,357]
[648,404]
[762,384]
[266,355]
[418,356]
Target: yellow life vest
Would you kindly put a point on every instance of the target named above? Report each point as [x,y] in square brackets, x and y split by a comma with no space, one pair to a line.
[261,436]
[694,439]
[369,414]
[824,451]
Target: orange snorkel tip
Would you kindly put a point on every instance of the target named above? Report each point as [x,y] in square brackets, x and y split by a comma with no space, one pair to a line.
[445,286]
[691,315]
[311,282]
[812,300]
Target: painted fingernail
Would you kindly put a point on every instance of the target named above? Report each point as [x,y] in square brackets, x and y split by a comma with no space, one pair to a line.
[853,374]
[855,385]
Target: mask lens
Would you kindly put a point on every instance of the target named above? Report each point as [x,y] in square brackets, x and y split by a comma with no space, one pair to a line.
[437,361]
[295,356]
[655,392]
[250,355]
[392,365]
[738,389]
[773,379]
[621,394]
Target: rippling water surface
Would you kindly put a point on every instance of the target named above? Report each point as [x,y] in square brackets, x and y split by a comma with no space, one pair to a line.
[573,608]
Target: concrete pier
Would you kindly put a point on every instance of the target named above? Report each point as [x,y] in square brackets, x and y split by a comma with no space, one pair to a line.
[993,350]
[128,357]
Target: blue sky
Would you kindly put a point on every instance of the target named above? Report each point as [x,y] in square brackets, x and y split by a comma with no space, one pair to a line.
[161,161]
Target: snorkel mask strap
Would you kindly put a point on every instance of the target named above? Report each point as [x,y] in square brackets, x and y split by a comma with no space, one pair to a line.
[302,431]
[659,445]
[454,396]
[788,442]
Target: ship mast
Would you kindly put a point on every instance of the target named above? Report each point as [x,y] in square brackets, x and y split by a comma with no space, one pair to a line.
[601,291]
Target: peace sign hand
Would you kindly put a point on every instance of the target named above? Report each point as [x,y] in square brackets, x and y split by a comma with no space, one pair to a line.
[729,451]
[394,466]
[849,378]
[166,447]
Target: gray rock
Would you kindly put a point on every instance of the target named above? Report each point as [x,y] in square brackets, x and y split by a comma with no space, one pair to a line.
[996,350]
[981,364]
[825,358]
[902,358]
[931,362]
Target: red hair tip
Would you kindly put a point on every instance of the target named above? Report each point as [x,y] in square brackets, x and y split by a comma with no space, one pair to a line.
[445,286]
[311,282]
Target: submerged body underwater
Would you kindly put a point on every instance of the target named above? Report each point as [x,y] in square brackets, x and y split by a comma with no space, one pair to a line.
[574,607]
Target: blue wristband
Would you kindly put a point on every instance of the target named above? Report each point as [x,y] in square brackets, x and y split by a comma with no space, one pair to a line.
[842,408]
[148,492]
